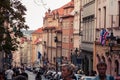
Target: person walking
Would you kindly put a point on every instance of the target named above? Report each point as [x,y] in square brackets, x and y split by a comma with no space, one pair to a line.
[9,73]
[101,68]
[68,72]
[38,76]
[20,77]
[23,73]
[1,76]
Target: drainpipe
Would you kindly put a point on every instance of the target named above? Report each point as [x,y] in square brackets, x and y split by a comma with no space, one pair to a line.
[51,45]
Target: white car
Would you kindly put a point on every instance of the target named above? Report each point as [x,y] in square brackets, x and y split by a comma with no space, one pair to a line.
[87,78]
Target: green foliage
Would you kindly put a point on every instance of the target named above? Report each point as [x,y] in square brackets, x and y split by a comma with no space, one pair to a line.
[13,12]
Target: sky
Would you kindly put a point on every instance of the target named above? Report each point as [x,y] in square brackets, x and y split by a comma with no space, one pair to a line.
[36,10]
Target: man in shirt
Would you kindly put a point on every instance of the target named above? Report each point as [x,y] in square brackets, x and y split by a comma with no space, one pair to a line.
[9,73]
[102,67]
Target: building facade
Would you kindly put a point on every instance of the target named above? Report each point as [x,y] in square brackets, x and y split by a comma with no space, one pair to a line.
[87,26]
[76,24]
[58,34]
[67,30]
[108,21]
[37,48]
[50,32]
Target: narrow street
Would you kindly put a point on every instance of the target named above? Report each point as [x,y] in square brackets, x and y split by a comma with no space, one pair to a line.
[46,35]
[31,76]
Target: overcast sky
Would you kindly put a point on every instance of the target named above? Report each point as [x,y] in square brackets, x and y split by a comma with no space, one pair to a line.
[37,8]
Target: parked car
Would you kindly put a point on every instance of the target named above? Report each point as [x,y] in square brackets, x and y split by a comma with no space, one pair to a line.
[87,77]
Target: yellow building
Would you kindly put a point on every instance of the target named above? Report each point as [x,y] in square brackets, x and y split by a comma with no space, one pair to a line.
[37,51]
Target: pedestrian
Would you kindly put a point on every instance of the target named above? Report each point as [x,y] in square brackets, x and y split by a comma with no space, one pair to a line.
[23,73]
[9,73]
[68,72]
[101,68]
[93,73]
[1,76]
[16,71]
[20,77]
[38,76]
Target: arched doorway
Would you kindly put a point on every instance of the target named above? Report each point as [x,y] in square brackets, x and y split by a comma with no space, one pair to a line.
[116,67]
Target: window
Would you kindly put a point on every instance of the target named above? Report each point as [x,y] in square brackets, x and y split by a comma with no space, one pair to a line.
[88,26]
[66,25]
[66,11]
[104,17]
[65,39]
[99,18]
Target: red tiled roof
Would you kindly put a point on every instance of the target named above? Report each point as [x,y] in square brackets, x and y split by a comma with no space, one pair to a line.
[48,27]
[61,9]
[68,15]
[70,4]
[23,39]
[37,41]
[39,30]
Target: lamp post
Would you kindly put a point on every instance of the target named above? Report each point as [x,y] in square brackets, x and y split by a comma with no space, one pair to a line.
[111,41]
[56,41]
[76,50]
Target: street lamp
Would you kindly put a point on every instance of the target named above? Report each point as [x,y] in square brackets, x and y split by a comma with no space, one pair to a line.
[76,50]
[111,41]
[56,41]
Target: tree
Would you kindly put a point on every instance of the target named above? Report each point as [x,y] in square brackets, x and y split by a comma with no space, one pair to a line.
[12,21]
